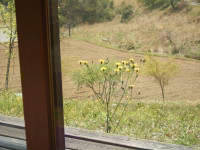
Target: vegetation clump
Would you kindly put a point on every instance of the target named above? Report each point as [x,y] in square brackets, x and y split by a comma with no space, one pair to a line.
[162,72]
[126,12]
[85,11]
[109,82]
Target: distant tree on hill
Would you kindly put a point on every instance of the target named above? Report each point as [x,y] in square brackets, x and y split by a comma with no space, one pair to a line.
[85,11]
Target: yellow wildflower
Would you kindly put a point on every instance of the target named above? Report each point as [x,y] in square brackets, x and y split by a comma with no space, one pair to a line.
[133,66]
[103,69]
[137,69]
[102,61]
[120,68]
[124,62]
[80,62]
[85,62]
[118,64]
[131,60]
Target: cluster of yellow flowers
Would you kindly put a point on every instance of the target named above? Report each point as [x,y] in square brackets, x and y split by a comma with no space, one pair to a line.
[82,62]
[127,66]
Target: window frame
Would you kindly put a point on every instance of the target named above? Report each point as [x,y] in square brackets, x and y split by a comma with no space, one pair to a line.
[40,67]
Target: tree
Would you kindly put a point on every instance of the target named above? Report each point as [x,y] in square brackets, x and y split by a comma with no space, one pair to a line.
[173,3]
[85,11]
[4,2]
[126,12]
[8,20]
[162,72]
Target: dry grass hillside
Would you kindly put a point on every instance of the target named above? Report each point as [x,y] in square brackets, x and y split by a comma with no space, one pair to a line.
[162,32]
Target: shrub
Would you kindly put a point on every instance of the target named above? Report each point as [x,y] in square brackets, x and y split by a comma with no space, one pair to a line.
[193,55]
[162,72]
[126,12]
[110,82]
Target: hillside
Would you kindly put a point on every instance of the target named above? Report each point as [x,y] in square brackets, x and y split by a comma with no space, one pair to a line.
[161,31]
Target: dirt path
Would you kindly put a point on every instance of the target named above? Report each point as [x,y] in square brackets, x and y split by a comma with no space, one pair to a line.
[185,86]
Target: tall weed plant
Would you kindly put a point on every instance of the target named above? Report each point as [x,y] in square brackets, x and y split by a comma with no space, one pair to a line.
[109,82]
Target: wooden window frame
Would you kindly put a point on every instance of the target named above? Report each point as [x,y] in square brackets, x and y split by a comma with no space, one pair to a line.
[40,66]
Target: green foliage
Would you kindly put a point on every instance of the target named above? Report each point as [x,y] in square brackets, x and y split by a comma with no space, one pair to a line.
[109,82]
[126,12]
[162,72]
[152,4]
[85,11]
[177,122]
[8,18]
[10,104]
[4,2]
[193,55]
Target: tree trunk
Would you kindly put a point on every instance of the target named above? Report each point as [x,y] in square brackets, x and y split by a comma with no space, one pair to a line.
[69,27]
[172,4]
[162,90]
[11,45]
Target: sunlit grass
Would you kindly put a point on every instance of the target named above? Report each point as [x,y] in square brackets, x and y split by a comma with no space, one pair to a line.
[10,104]
[171,122]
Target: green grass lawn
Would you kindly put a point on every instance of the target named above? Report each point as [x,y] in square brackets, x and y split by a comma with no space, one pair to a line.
[172,122]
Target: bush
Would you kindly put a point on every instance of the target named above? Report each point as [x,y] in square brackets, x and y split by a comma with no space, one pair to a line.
[126,12]
[127,44]
[85,11]
[193,55]
[110,83]
[162,72]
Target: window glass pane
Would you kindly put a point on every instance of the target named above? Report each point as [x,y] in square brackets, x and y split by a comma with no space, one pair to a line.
[131,68]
